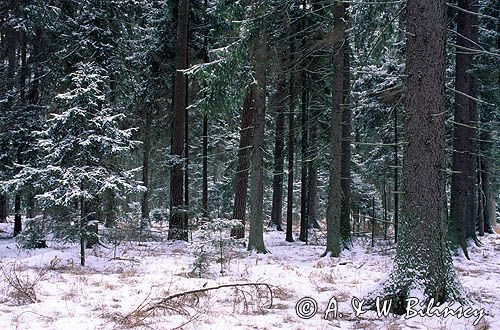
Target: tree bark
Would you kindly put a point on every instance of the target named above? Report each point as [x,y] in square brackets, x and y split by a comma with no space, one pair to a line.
[333,213]
[178,225]
[345,220]
[256,235]
[462,207]
[241,180]
[423,266]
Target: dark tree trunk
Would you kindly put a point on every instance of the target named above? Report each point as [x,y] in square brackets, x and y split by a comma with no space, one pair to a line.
[291,145]
[462,207]
[256,235]
[83,230]
[303,173]
[312,207]
[241,180]
[333,213]
[3,208]
[22,87]
[345,221]
[423,266]
[10,42]
[186,151]
[279,143]
[396,175]
[304,133]
[148,119]
[486,184]
[178,226]
[204,194]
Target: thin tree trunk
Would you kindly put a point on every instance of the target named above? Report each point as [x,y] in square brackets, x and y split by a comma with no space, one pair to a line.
[148,118]
[186,151]
[489,208]
[241,180]
[303,173]
[83,230]
[256,235]
[345,221]
[178,219]
[204,194]
[312,208]
[291,143]
[34,97]
[279,143]
[396,175]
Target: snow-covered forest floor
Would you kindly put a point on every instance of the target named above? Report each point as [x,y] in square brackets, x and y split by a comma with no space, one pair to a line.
[99,295]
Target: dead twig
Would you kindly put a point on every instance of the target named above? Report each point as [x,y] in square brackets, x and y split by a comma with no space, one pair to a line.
[146,309]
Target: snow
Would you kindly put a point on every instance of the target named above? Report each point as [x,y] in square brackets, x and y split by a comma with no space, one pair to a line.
[98,295]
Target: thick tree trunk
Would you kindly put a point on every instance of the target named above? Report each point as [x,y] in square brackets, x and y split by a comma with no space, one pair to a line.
[345,220]
[178,226]
[333,212]
[463,180]
[279,144]
[291,147]
[256,235]
[423,266]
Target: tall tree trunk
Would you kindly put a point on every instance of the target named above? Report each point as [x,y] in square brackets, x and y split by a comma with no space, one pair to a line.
[178,226]
[10,43]
[291,146]
[34,98]
[423,266]
[396,175]
[462,210]
[304,132]
[345,219]
[186,150]
[303,169]
[148,119]
[279,144]
[333,212]
[22,88]
[241,180]
[204,194]
[256,235]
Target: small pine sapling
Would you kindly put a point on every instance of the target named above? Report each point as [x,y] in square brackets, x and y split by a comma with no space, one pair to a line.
[214,245]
